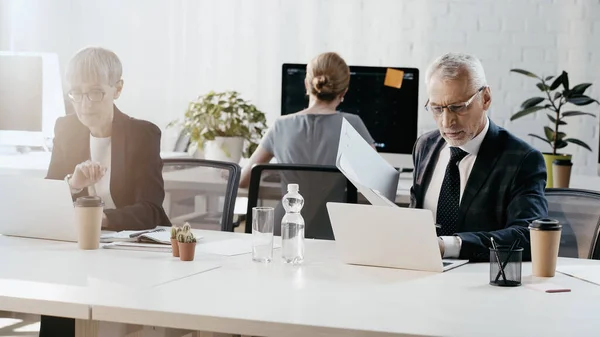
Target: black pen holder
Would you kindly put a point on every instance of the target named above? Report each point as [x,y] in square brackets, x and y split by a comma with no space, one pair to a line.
[505,266]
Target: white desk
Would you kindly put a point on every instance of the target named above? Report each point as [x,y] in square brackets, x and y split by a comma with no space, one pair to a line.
[36,164]
[327,298]
[322,297]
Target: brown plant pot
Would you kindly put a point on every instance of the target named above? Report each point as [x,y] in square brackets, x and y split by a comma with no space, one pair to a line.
[175,247]
[187,251]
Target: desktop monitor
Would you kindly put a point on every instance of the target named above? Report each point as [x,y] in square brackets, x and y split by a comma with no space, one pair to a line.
[31,98]
[386,99]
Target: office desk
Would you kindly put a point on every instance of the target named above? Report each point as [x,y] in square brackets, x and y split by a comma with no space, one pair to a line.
[327,298]
[57,279]
[36,164]
[322,297]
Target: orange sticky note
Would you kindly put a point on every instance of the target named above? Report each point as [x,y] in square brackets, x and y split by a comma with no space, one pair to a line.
[393,78]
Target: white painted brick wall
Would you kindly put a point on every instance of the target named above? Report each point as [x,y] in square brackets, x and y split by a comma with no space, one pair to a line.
[175,50]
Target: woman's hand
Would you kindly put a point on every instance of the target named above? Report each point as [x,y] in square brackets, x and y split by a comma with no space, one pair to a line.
[86,174]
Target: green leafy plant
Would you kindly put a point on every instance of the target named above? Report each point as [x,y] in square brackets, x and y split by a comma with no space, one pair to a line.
[555,101]
[224,114]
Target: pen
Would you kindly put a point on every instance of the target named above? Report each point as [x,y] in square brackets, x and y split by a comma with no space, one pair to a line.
[498,258]
[512,249]
[135,235]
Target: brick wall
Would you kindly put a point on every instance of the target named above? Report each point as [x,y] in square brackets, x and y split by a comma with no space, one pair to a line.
[175,50]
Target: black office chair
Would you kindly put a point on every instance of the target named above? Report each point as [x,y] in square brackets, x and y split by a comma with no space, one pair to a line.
[201,192]
[318,185]
[579,213]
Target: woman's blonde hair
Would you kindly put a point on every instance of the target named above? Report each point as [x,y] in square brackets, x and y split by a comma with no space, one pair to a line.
[94,64]
[328,76]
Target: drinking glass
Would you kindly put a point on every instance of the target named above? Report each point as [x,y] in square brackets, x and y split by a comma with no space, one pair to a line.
[262,234]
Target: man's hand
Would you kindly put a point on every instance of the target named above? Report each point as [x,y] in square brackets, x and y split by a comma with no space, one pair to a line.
[86,174]
[442,246]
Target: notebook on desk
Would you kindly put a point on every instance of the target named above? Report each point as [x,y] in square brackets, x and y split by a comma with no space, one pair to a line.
[148,247]
[156,235]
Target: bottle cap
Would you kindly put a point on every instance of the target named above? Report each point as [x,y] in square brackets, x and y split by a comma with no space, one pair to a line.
[293,188]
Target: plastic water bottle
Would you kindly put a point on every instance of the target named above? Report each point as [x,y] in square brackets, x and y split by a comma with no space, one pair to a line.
[292,227]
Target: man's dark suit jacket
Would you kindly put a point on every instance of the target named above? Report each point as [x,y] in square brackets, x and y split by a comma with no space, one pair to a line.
[136,181]
[504,192]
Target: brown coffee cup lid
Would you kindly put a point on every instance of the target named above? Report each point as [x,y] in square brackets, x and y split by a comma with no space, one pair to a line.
[545,225]
[89,201]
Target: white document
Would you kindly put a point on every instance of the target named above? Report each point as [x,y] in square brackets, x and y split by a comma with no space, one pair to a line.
[364,167]
[586,273]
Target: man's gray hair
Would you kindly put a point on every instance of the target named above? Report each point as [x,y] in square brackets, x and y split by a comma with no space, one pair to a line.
[94,65]
[450,66]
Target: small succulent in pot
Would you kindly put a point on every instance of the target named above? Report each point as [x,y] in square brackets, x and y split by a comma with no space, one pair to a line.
[187,243]
[174,245]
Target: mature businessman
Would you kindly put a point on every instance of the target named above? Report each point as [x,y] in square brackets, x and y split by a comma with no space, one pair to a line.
[479,180]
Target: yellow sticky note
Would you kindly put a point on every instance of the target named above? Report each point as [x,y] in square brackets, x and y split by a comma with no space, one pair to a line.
[393,78]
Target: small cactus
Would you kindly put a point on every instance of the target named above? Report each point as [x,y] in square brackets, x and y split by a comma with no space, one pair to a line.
[174,231]
[186,228]
[186,237]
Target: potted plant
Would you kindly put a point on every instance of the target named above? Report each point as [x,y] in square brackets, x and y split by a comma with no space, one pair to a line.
[556,101]
[187,243]
[174,245]
[224,126]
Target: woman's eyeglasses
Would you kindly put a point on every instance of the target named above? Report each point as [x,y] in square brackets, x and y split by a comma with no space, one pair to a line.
[92,96]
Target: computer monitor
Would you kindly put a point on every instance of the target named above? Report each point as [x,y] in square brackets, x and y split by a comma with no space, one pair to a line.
[386,99]
[31,98]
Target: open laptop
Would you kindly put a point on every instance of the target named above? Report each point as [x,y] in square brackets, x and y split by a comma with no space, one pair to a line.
[36,208]
[384,236]
[387,225]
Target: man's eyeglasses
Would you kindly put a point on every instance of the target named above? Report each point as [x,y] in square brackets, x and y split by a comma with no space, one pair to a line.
[92,96]
[457,108]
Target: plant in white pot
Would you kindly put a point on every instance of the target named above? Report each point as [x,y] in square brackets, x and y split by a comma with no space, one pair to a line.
[556,103]
[223,125]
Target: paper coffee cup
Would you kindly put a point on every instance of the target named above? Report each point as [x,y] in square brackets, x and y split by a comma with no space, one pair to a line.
[561,173]
[88,212]
[545,242]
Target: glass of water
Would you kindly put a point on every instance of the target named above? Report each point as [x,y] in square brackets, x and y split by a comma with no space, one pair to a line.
[262,234]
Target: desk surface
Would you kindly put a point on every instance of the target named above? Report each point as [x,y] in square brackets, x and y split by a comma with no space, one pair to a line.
[326,297]
[321,297]
[56,278]
[36,163]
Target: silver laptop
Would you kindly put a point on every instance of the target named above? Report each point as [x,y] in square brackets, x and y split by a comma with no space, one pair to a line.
[36,208]
[384,236]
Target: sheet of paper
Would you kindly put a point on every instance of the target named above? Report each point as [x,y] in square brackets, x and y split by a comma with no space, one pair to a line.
[229,247]
[393,78]
[586,273]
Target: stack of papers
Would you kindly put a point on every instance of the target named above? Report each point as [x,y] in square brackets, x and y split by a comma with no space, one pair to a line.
[150,247]
[157,235]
